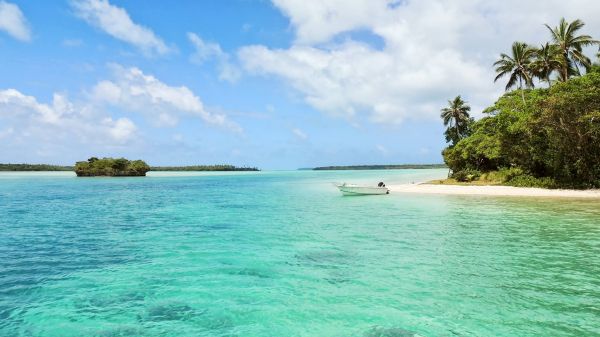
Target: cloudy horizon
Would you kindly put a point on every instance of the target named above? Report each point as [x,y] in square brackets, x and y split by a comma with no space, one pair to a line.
[277,85]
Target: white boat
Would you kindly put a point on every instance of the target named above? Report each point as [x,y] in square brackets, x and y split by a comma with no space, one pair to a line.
[352,189]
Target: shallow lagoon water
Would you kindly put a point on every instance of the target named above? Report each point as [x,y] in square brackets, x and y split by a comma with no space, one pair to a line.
[284,254]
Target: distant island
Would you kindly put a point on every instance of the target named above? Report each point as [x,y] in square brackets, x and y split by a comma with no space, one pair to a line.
[111,167]
[381,167]
[117,167]
[203,168]
[34,167]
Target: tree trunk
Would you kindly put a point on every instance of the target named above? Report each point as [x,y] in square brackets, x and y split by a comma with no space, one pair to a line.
[566,66]
[521,88]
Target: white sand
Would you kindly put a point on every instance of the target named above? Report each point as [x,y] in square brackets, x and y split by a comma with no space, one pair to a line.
[492,190]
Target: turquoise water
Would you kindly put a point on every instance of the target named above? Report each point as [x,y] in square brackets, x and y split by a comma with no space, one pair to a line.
[284,254]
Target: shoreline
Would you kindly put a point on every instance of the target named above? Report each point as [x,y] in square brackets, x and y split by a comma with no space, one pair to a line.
[492,190]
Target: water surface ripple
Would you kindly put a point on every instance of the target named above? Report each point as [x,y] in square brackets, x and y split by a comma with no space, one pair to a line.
[283,254]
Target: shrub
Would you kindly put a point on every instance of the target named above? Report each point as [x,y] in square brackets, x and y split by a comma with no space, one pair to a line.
[111,167]
[466,175]
[526,180]
[549,132]
[502,175]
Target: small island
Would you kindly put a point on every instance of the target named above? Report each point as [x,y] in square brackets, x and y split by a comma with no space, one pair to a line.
[111,167]
[33,167]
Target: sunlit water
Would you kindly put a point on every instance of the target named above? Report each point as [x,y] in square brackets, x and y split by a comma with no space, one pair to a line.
[284,254]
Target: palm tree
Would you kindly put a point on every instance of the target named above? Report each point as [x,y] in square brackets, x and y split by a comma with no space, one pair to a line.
[570,45]
[456,118]
[517,66]
[547,59]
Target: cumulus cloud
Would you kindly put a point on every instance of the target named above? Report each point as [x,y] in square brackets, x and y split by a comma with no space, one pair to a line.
[430,51]
[36,122]
[206,51]
[31,129]
[116,22]
[318,21]
[163,104]
[13,21]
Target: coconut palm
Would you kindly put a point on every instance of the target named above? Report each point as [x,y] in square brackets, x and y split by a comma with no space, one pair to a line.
[517,66]
[570,45]
[456,118]
[547,59]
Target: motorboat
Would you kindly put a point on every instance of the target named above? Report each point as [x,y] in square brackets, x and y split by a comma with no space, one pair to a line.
[353,189]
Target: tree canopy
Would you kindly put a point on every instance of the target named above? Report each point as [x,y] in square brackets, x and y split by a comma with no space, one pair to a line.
[546,137]
[456,117]
[113,167]
[555,136]
[34,167]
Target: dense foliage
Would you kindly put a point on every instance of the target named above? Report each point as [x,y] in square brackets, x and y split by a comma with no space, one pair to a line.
[34,167]
[562,58]
[203,168]
[553,139]
[111,167]
[381,167]
[536,137]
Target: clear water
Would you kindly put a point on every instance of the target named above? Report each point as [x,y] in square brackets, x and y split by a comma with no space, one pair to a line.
[284,254]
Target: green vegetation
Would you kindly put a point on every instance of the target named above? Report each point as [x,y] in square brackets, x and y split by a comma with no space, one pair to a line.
[456,118]
[203,168]
[34,167]
[119,167]
[545,137]
[381,167]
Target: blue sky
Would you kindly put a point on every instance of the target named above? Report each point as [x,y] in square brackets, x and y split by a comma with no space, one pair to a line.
[278,85]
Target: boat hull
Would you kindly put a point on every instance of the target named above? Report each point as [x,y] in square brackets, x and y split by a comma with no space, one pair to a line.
[362,190]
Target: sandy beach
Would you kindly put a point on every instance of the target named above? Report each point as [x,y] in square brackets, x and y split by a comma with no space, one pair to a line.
[425,188]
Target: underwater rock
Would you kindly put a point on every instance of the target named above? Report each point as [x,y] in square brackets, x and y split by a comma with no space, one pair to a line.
[337,280]
[122,331]
[168,312]
[324,258]
[251,272]
[379,331]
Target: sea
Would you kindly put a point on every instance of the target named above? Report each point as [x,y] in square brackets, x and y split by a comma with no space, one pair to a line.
[283,253]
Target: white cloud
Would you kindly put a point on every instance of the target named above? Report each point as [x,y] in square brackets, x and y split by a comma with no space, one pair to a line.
[418,53]
[60,122]
[318,21]
[300,134]
[116,22]
[31,129]
[120,129]
[135,91]
[206,51]
[13,21]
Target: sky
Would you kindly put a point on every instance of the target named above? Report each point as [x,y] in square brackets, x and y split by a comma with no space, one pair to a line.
[279,84]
